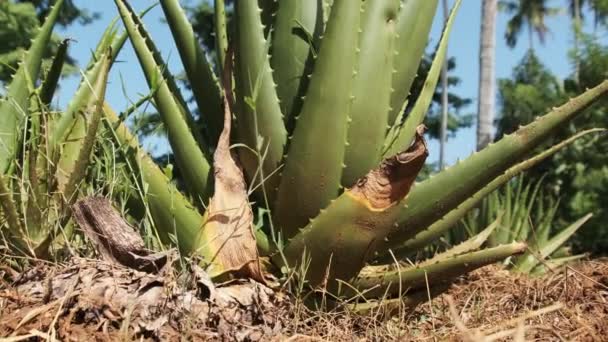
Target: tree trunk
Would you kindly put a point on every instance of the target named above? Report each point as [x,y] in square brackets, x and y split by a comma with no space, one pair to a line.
[577,33]
[486,95]
[444,99]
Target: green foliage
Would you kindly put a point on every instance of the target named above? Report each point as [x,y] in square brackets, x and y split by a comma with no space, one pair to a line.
[525,213]
[529,15]
[456,103]
[19,21]
[531,90]
[577,175]
[43,168]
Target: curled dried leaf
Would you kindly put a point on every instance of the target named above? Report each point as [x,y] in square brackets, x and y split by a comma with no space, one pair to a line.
[393,179]
[229,224]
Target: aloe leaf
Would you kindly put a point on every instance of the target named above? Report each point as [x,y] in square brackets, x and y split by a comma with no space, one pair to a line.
[530,260]
[172,213]
[314,162]
[14,106]
[15,232]
[221,35]
[368,118]
[416,116]
[438,228]
[376,281]
[70,121]
[543,231]
[389,307]
[299,24]
[204,84]
[78,119]
[93,111]
[467,246]
[413,27]
[259,121]
[49,85]
[354,222]
[555,264]
[183,137]
[433,198]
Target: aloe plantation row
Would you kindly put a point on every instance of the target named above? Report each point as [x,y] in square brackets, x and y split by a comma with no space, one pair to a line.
[303,113]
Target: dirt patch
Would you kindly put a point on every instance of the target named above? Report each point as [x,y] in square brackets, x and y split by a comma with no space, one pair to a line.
[93,299]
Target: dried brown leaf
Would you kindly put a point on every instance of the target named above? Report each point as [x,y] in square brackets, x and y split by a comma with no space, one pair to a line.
[229,225]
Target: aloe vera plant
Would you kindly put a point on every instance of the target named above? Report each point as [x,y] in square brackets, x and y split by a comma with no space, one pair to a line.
[334,169]
[45,154]
[526,214]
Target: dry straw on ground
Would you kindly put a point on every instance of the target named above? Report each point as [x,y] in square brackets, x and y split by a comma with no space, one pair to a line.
[90,298]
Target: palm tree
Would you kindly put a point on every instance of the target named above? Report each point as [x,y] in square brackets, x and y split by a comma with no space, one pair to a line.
[486,94]
[575,7]
[444,101]
[526,13]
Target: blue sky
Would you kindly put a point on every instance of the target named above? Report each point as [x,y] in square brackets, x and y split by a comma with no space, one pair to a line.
[464,46]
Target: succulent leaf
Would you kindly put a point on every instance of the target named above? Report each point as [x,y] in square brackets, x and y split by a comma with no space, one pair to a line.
[299,24]
[352,224]
[533,257]
[49,85]
[200,75]
[259,121]
[470,245]
[75,164]
[313,167]
[433,198]
[438,228]
[172,213]
[413,28]
[368,118]
[376,281]
[185,140]
[14,106]
[406,133]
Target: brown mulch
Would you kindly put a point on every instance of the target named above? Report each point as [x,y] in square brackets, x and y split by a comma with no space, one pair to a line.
[94,300]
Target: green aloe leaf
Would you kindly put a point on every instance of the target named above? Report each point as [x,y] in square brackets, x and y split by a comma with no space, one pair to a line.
[531,259]
[13,108]
[183,137]
[433,198]
[259,121]
[554,264]
[377,281]
[354,222]
[70,122]
[70,130]
[49,85]
[15,234]
[221,33]
[413,27]
[299,24]
[543,231]
[75,168]
[467,246]
[407,301]
[405,134]
[438,228]
[200,75]
[173,214]
[368,118]
[313,165]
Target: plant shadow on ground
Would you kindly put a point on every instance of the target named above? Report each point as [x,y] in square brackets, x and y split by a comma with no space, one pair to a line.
[90,298]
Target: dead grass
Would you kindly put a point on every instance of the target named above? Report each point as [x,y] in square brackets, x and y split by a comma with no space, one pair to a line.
[93,300]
